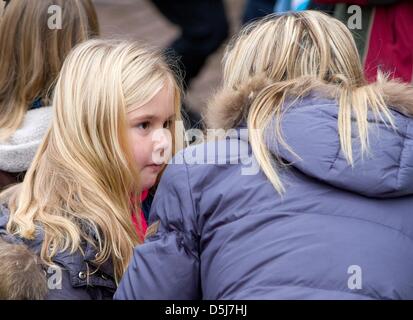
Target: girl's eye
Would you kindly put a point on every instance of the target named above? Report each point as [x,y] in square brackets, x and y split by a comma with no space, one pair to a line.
[143,125]
[167,124]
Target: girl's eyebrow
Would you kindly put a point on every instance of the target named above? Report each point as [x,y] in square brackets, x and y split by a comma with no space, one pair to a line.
[150,117]
[144,117]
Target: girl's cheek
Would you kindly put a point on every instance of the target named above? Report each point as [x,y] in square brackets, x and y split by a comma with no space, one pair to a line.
[138,148]
[141,154]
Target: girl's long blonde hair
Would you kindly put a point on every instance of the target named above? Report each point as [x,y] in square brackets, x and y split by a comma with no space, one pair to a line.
[83,176]
[297,52]
[32,54]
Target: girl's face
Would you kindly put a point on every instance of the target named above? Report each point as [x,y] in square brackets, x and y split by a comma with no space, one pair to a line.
[150,136]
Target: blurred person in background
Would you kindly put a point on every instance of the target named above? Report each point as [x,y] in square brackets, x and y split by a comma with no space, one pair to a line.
[385,39]
[255,9]
[204,27]
[31,57]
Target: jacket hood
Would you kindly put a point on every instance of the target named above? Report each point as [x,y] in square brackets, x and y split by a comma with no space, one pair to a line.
[310,129]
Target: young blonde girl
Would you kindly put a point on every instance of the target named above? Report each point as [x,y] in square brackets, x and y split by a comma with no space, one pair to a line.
[328,216]
[31,57]
[74,206]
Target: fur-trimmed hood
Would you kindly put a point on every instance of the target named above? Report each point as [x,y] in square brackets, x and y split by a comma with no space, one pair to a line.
[310,129]
[228,108]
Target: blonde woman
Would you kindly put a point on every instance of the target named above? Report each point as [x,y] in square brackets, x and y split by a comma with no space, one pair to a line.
[114,106]
[31,57]
[327,216]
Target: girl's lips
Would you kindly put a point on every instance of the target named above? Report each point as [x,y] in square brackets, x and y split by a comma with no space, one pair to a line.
[154,167]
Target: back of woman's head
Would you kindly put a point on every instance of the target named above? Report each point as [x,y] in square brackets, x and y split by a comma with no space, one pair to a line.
[290,55]
[293,45]
[32,53]
[83,176]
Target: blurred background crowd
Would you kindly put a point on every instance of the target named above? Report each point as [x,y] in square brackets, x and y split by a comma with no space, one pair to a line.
[195,30]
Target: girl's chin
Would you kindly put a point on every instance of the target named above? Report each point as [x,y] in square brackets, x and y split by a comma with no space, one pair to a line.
[148,181]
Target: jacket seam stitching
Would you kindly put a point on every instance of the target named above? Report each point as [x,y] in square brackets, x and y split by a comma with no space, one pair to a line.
[190,194]
[401,155]
[355,218]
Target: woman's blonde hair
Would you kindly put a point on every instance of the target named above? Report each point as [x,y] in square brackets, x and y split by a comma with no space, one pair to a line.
[297,52]
[83,176]
[32,54]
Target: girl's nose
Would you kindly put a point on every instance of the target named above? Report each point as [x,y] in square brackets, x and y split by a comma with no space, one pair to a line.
[162,142]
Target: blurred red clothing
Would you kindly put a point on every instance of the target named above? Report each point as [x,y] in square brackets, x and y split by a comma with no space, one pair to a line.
[141,230]
[389,42]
